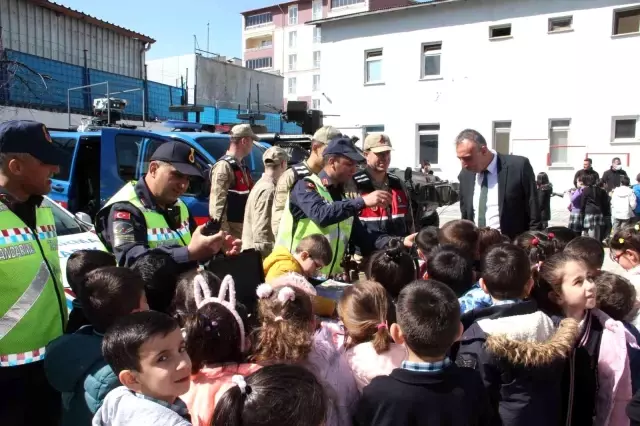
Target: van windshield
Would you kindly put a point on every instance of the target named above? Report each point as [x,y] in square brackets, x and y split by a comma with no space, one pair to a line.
[218,146]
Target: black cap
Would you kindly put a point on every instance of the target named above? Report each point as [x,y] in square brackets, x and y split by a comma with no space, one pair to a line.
[30,137]
[179,155]
[344,147]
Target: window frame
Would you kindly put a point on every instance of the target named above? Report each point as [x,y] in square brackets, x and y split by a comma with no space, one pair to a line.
[314,15]
[317,38]
[428,129]
[501,127]
[292,65]
[617,118]
[349,3]
[559,127]
[424,54]
[368,59]
[258,24]
[499,27]
[316,62]
[555,20]
[614,26]
[315,86]
[292,20]
[249,62]
[293,37]
[313,103]
[291,91]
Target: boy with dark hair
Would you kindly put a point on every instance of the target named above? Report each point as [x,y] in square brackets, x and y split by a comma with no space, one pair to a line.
[159,273]
[79,264]
[426,241]
[74,364]
[428,390]
[312,253]
[147,352]
[589,250]
[449,265]
[516,347]
[461,233]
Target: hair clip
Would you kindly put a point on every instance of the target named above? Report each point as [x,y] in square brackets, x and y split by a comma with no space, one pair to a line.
[239,381]
[637,227]
[214,323]
[621,240]
[535,241]
[551,235]
[286,294]
[278,318]
[382,325]
[264,291]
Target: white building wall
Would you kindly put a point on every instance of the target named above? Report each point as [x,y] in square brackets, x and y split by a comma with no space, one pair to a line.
[305,69]
[586,75]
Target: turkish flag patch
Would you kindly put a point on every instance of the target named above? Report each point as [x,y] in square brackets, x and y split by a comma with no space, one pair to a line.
[122,215]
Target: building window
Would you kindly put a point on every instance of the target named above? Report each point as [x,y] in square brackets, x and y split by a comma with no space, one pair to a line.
[341,3]
[316,82]
[625,129]
[316,104]
[431,53]
[266,43]
[428,142]
[500,31]
[316,59]
[558,25]
[256,64]
[316,10]
[626,21]
[292,85]
[293,39]
[373,66]
[255,20]
[502,137]
[317,35]
[559,140]
[366,130]
[293,14]
[293,62]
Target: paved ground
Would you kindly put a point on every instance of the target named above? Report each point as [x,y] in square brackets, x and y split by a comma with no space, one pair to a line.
[559,217]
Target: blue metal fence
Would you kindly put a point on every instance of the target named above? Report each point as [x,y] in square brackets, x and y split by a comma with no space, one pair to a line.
[35,82]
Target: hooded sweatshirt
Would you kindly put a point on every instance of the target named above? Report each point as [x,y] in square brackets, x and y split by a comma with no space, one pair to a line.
[75,367]
[279,262]
[520,355]
[623,203]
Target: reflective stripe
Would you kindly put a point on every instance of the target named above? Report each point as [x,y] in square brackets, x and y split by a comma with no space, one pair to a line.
[15,235]
[12,360]
[19,309]
[381,218]
[238,192]
[164,234]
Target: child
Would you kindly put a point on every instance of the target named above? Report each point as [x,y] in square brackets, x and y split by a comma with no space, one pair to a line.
[313,253]
[516,347]
[636,192]
[545,189]
[561,236]
[160,275]
[595,207]
[287,335]
[589,250]
[428,389]
[625,250]
[488,237]
[215,337]
[74,364]
[538,246]
[275,395]
[394,268]
[623,204]
[576,216]
[462,234]
[184,301]
[449,265]
[80,263]
[147,352]
[597,380]
[426,240]
[364,310]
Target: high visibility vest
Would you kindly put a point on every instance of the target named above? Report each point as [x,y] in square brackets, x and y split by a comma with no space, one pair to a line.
[238,194]
[389,220]
[291,231]
[158,231]
[33,308]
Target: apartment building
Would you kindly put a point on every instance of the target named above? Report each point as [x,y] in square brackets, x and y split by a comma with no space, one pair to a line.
[276,39]
[555,81]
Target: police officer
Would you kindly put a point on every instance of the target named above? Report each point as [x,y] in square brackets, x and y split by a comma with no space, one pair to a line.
[317,205]
[149,214]
[396,219]
[312,165]
[33,308]
[231,181]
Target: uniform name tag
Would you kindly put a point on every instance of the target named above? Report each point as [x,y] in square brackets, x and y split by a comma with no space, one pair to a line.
[13,252]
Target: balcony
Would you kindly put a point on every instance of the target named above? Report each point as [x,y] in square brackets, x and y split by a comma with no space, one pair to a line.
[258,43]
[258,23]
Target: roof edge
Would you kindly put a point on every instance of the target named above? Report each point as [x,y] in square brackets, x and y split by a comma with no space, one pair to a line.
[55,7]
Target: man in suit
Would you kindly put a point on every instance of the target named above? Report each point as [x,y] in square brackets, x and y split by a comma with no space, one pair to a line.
[496,190]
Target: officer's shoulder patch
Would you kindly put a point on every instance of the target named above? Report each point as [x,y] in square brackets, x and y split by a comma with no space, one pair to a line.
[310,186]
[467,362]
[122,215]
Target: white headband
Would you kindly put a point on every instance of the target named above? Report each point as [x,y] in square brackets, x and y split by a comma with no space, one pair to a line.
[202,295]
[239,381]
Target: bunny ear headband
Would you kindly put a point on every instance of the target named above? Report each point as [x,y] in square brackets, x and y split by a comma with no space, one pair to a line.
[202,295]
[295,280]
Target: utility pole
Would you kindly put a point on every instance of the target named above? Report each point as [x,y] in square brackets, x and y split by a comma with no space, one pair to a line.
[208,37]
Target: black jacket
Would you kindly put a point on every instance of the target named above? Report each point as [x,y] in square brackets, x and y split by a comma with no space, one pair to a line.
[453,397]
[544,201]
[518,199]
[521,356]
[595,201]
[611,179]
[588,171]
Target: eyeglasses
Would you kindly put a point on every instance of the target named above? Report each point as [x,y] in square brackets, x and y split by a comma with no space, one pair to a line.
[616,257]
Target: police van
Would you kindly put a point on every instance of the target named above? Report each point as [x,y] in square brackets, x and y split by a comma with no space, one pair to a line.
[98,163]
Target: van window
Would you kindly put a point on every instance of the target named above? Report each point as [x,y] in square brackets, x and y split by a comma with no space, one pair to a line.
[65,224]
[195,184]
[67,146]
[127,152]
[216,147]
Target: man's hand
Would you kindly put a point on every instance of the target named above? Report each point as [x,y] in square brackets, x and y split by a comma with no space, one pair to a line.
[410,240]
[204,247]
[232,246]
[377,198]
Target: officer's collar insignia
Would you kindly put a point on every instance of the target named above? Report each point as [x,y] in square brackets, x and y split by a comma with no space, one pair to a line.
[311,185]
[325,181]
[47,136]
[192,157]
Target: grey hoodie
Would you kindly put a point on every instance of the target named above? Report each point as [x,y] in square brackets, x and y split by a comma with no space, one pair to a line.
[122,407]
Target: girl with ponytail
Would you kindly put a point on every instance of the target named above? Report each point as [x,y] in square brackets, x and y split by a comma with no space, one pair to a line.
[394,268]
[367,313]
[276,395]
[216,343]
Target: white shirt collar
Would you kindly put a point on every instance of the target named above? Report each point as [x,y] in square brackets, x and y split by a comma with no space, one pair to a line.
[492,168]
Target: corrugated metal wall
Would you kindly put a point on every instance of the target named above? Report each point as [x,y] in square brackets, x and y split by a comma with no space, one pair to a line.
[42,32]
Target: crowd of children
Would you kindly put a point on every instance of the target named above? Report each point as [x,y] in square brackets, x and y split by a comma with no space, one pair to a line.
[479,330]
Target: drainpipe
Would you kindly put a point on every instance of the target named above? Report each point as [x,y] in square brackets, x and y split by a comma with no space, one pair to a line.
[284,42]
[143,76]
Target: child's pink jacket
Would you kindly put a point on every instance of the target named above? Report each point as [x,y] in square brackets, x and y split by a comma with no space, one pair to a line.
[208,385]
[367,364]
